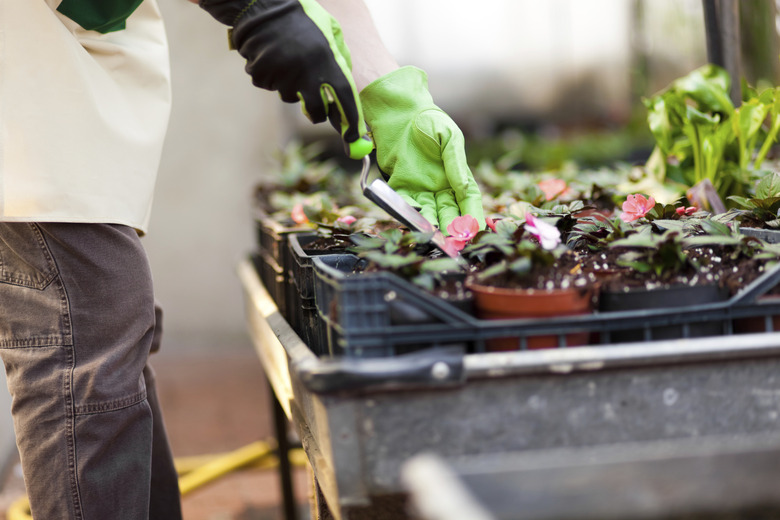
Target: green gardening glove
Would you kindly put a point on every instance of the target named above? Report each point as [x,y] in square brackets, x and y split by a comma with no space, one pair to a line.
[420,148]
[296,48]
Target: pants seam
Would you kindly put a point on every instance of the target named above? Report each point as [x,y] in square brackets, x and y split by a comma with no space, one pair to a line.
[71,436]
[110,406]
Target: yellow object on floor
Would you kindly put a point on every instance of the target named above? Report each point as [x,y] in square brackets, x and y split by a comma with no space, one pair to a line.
[195,472]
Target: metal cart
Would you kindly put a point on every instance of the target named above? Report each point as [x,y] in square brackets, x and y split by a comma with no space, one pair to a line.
[361,420]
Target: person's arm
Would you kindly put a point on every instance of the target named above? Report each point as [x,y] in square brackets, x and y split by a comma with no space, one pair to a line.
[418,145]
[370,58]
[323,54]
[295,47]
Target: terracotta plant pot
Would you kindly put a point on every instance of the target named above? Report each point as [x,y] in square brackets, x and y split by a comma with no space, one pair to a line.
[495,303]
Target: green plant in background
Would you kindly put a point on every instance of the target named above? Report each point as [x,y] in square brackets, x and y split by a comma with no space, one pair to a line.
[762,210]
[700,135]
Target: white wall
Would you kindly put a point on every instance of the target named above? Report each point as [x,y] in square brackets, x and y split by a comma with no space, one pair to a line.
[222,134]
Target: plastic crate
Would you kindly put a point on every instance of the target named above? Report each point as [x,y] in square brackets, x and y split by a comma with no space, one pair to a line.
[272,276]
[272,238]
[361,312]
[771,236]
[300,268]
[300,275]
[379,315]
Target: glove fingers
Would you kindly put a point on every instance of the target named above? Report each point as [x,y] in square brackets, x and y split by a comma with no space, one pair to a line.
[312,106]
[427,204]
[471,204]
[447,208]
[344,112]
[453,156]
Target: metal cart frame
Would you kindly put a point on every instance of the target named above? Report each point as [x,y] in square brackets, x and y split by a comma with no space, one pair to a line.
[360,420]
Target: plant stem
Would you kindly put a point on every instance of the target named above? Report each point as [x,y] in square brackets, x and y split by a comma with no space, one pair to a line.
[767,143]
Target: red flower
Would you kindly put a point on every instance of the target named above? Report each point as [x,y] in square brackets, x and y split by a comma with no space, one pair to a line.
[491,224]
[298,215]
[346,219]
[553,188]
[452,246]
[461,230]
[636,207]
[683,211]
[548,235]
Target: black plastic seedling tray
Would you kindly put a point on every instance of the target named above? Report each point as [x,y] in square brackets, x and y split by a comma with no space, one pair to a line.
[379,314]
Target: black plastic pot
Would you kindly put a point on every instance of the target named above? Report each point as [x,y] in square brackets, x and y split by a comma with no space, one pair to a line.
[272,237]
[377,314]
[662,298]
[300,275]
[771,236]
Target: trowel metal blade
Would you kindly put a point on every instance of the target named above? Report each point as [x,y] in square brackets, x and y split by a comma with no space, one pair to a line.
[386,198]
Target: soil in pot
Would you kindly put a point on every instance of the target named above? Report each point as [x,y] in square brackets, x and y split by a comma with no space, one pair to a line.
[748,272]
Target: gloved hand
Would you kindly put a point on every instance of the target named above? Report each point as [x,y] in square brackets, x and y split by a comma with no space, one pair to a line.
[296,48]
[420,148]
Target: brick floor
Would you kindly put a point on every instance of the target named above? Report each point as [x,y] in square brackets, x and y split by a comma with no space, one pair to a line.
[214,402]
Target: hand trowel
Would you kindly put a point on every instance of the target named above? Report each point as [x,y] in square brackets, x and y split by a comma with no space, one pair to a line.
[386,198]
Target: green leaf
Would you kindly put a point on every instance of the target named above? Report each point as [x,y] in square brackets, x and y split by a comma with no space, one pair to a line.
[660,126]
[742,201]
[521,266]
[493,270]
[709,87]
[390,261]
[768,186]
[712,240]
[424,280]
[367,242]
[713,227]
[440,265]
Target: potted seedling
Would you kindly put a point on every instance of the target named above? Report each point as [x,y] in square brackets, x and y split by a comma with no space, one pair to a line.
[523,271]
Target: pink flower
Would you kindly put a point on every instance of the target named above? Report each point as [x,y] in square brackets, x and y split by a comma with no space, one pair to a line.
[547,234]
[453,246]
[462,229]
[491,224]
[347,220]
[683,211]
[636,207]
[553,188]
[298,215]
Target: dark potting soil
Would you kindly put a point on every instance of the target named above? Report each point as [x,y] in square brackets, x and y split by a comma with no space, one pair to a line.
[330,243]
[566,272]
[716,266]
[586,269]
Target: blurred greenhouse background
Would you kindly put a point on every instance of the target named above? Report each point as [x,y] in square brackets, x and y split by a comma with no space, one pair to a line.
[565,75]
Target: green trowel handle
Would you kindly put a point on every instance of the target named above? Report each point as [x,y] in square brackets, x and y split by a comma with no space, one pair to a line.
[360,148]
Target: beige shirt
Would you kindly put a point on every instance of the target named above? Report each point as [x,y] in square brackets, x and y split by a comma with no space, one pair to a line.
[83,115]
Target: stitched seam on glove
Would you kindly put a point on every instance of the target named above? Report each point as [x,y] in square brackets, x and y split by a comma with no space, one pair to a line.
[243,11]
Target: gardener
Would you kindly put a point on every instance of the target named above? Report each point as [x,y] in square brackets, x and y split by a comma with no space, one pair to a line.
[84,105]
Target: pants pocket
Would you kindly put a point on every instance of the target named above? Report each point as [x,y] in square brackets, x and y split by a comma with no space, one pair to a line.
[25,259]
[33,305]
